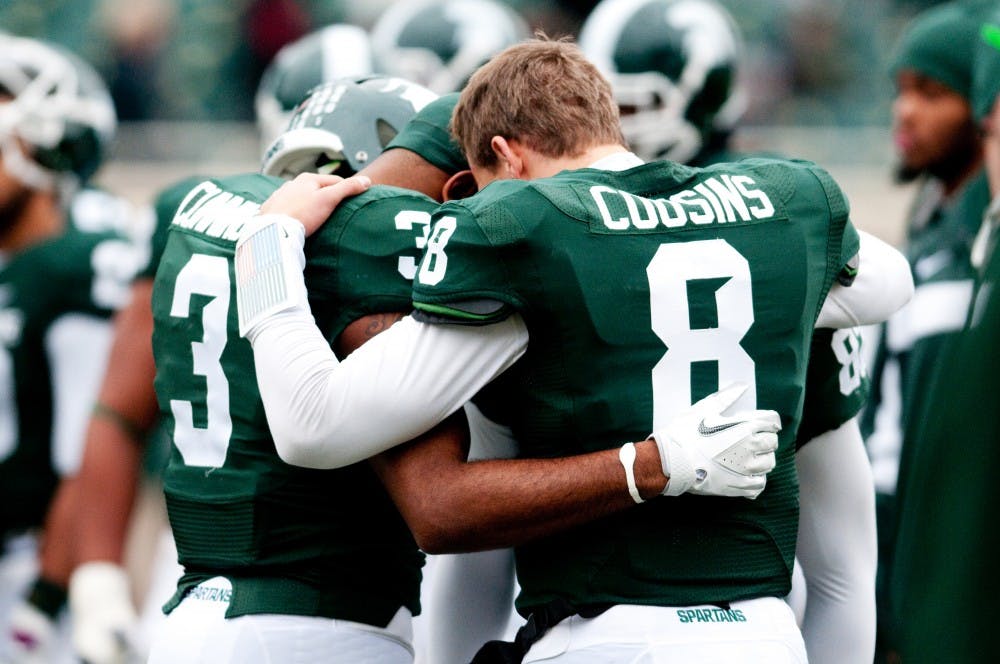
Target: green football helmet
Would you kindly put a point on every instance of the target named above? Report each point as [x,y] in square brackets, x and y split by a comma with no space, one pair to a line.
[342,125]
[337,51]
[440,44]
[59,109]
[673,68]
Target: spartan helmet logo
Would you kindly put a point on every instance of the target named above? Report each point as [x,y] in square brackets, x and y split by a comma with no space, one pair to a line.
[672,66]
[59,107]
[440,44]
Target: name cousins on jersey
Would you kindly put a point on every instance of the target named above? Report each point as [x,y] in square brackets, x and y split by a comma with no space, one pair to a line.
[723,199]
[210,210]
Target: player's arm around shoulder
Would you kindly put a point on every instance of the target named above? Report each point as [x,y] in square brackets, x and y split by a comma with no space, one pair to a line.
[311,198]
[477,505]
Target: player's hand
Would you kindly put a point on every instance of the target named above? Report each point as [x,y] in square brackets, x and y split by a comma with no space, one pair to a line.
[29,637]
[709,453]
[312,197]
[103,618]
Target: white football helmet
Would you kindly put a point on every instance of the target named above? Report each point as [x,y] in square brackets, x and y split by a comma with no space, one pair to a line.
[441,43]
[673,68]
[57,119]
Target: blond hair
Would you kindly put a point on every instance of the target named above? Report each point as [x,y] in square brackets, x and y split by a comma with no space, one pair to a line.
[541,92]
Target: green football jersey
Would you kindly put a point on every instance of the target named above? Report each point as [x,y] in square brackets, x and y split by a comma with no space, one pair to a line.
[944,571]
[644,291]
[837,383]
[909,356]
[911,341]
[292,540]
[75,277]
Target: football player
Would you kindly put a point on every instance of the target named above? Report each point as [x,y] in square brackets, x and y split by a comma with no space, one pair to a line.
[949,517]
[105,624]
[66,267]
[938,144]
[674,68]
[507,274]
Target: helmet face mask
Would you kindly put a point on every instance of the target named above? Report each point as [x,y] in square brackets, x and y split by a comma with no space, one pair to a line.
[343,125]
[653,118]
[672,65]
[58,120]
[440,44]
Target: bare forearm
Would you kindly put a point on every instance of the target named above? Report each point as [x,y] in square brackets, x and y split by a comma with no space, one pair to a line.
[127,388]
[56,554]
[510,502]
[107,489]
[491,504]
[112,456]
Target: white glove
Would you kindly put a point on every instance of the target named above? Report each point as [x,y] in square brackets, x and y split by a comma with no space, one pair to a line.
[707,453]
[29,637]
[104,621]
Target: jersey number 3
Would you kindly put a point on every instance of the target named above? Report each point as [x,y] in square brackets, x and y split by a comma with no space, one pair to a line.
[205,275]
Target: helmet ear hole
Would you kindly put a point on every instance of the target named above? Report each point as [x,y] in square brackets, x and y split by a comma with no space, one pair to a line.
[386,132]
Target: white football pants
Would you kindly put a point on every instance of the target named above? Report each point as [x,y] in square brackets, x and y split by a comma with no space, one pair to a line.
[197,631]
[758,631]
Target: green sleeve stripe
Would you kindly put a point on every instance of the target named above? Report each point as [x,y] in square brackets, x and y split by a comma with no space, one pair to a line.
[451,312]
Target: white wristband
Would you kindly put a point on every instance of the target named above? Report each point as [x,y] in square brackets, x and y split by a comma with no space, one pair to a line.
[627,456]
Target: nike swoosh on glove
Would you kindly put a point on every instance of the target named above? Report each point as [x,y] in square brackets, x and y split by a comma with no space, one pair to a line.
[708,453]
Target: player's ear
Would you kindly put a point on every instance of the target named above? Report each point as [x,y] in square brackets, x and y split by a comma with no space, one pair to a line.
[460,185]
[510,164]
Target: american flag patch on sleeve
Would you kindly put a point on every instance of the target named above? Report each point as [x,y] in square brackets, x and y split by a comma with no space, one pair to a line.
[261,286]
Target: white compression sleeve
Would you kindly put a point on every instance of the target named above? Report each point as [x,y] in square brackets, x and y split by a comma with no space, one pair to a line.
[883,285]
[392,389]
[837,547]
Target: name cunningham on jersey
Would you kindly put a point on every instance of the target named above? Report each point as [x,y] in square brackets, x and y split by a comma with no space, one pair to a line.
[722,199]
[216,213]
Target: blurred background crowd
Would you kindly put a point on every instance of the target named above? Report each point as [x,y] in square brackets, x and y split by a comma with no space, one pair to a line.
[181,71]
[808,62]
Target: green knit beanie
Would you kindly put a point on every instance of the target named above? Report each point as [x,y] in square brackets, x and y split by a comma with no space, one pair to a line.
[940,43]
[986,84]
